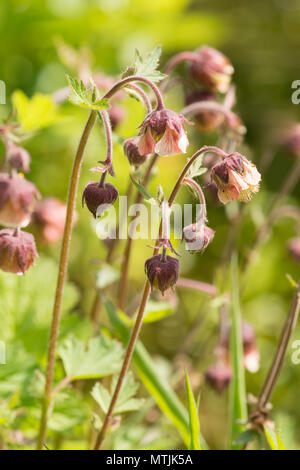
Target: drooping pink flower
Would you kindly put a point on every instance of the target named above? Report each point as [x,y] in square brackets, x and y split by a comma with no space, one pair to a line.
[17,200]
[17,251]
[293,247]
[218,376]
[49,217]
[162,132]
[292,141]
[213,69]
[131,151]
[236,178]
[197,237]
[18,157]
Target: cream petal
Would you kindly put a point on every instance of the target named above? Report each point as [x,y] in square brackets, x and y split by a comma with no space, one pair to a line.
[172,143]
[146,143]
[237,180]
[252,175]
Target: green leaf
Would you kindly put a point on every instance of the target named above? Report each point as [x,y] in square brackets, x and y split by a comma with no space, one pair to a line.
[156,385]
[102,357]
[194,423]
[246,436]
[141,188]
[34,113]
[125,401]
[238,400]
[85,97]
[154,311]
[146,66]
[274,440]
[106,275]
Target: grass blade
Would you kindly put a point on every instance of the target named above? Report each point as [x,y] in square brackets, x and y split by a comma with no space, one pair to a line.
[158,388]
[238,405]
[194,424]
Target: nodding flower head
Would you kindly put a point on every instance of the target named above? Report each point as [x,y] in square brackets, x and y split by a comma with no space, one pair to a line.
[197,237]
[17,251]
[162,132]
[95,195]
[213,69]
[49,217]
[130,147]
[206,121]
[251,353]
[17,200]
[236,178]
[293,247]
[162,271]
[218,376]
[292,141]
[18,158]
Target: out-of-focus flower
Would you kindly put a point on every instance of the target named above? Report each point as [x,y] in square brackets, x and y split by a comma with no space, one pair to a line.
[236,178]
[49,217]
[162,272]
[292,141]
[95,195]
[251,353]
[162,132]
[197,237]
[206,121]
[131,151]
[218,376]
[293,247]
[213,69]
[116,115]
[17,200]
[18,158]
[17,251]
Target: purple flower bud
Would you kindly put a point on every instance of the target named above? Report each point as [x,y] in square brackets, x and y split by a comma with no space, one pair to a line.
[213,69]
[218,376]
[131,151]
[162,132]
[17,251]
[293,247]
[17,200]
[236,178]
[206,121]
[19,158]
[197,237]
[162,272]
[95,195]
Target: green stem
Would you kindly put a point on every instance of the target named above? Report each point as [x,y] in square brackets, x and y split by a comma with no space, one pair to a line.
[63,265]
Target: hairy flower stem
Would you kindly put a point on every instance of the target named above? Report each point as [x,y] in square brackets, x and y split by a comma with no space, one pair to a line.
[275,369]
[181,57]
[63,265]
[145,297]
[123,285]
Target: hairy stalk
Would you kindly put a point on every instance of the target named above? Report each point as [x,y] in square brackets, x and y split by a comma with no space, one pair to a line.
[181,57]
[275,369]
[143,304]
[123,285]
[63,265]
[201,106]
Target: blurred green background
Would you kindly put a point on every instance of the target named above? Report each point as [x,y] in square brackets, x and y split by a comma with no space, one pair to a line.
[262,40]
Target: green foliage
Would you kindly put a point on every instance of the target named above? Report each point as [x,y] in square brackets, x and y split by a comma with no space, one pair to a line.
[106,275]
[102,357]
[85,97]
[146,66]
[155,310]
[126,401]
[194,424]
[274,440]
[34,113]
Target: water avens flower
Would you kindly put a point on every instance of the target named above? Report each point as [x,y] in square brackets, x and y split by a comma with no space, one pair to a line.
[17,251]
[197,237]
[18,158]
[292,141]
[17,200]
[213,69]
[206,121]
[162,132]
[49,217]
[95,195]
[130,147]
[293,247]
[236,178]
[162,271]
[218,376]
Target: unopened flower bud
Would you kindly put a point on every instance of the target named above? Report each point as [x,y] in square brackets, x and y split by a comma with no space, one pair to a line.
[162,132]
[236,178]
[213,69]
[292,141]
[293,247]
[206,121]
[17,200]
[49,217]
[131,151]
[95,195]
[17,251]
[18,158]
[197,237]
[162,272]
[116,115]
[218,376]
